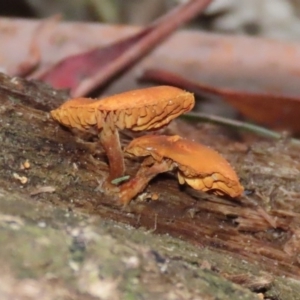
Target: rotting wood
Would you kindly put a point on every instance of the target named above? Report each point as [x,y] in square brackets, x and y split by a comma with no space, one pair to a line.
[58,160]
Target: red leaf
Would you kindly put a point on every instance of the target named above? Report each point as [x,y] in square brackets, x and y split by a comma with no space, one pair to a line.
[277,111]
[84,72]
[70,72]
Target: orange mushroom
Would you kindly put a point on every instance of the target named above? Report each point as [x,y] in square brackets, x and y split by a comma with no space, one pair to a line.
[143,109]
[199,166]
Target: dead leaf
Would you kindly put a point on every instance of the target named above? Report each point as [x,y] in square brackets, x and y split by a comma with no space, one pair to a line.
[84,72]
[274,110]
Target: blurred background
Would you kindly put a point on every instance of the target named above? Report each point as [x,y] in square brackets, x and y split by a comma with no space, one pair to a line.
[269,18]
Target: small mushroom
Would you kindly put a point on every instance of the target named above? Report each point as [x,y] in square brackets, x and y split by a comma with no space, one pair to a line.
[138,110]
[138,183]
[199,166]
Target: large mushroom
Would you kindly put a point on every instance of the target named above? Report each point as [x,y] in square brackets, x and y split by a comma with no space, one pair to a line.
[199,166]
[143,109]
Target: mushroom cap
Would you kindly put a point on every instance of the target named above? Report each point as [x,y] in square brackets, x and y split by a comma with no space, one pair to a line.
[76,113]
[199,166]
[142,109]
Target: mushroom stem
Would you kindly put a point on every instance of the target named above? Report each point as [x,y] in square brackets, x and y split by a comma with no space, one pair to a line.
[137,184]
[110,141]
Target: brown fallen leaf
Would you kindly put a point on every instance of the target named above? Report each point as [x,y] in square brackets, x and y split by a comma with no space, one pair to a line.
[274,110]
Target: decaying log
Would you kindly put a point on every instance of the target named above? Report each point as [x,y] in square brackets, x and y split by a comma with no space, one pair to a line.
[58,229]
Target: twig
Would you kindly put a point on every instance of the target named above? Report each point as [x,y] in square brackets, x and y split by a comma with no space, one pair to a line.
[238,125]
